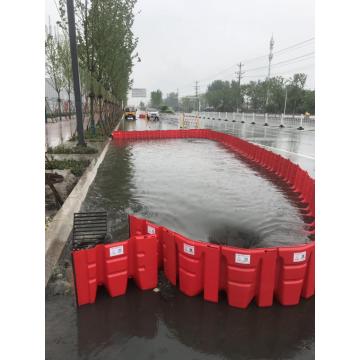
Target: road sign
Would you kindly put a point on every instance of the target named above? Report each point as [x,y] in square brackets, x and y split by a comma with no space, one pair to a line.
[138,93]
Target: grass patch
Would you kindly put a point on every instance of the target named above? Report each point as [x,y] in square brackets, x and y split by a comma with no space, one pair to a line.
[77,167]
[61,149]
[89,136]
[57,115]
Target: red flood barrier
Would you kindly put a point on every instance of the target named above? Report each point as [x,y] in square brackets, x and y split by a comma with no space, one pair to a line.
[296,274]
[248,273]
[141,226]
[111,265]
[198,267]
[286,274]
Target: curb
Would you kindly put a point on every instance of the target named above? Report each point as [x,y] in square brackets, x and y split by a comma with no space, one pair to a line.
[58,232]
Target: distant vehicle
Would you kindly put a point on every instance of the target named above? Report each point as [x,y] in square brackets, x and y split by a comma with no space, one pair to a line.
[130,113]
[153,115]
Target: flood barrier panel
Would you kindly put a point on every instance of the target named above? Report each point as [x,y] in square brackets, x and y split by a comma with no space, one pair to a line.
[285,273]
[111,265]
[245,275]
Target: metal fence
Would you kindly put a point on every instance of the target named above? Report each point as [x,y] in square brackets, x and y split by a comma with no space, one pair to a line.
[300,122]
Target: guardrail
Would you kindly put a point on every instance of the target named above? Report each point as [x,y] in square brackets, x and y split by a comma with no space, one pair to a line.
[299,122]
[285,273]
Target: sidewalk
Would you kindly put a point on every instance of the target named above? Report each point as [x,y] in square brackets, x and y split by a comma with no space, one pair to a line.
[57,133]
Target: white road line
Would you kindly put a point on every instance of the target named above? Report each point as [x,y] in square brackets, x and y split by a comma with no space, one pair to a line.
[289,152]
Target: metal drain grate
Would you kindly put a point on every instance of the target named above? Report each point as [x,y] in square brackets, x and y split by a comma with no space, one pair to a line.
[89,229]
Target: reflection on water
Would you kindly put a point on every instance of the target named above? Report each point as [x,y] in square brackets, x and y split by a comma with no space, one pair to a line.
[195,187]
[148,325]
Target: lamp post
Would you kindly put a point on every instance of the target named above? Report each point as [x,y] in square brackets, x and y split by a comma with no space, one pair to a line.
[285,99]
[284,112]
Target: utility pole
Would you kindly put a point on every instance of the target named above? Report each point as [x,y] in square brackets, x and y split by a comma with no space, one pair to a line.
[75,71]
[197,93]
[178,102]
[239,74]
[269,70]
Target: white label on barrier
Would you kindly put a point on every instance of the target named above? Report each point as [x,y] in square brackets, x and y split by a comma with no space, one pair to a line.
[117,250]
[150,230]
[301,256]
[242,258]
[189,249]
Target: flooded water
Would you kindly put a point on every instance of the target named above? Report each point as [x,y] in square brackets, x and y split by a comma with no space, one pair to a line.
[196,187]
[168,325]
[202,190]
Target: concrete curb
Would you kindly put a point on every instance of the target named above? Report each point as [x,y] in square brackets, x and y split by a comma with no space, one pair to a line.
[72,156]
[58,232]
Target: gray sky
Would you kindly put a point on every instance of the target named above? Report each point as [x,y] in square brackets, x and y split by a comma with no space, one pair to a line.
[184,41]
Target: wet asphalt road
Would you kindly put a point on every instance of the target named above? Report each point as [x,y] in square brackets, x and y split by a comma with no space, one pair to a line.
[167,324]
[296,145]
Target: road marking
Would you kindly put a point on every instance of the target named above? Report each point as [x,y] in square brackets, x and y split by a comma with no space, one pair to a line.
[289,152]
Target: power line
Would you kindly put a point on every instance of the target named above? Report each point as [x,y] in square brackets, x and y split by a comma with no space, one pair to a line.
[260,76]
[293,46]
[282,62]
[291,61]
[299,44]
[295,58]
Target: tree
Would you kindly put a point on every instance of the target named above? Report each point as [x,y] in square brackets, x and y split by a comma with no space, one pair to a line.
[106,46]
[53,67]
[65,61]
[142,106]
[172,101]
[296,92]
[255,91]
[308,104]
[276,94]
[156,98]
[225,96]
[221,95]
[188,104]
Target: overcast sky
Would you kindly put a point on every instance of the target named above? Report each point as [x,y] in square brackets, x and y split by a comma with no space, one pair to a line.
[188,40]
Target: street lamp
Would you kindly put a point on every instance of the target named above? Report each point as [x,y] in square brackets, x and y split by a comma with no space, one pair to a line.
[286,85]
[283,115]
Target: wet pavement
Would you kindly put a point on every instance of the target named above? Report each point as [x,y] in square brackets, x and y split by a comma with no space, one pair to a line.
[199,188]
[56,133]
[296,145]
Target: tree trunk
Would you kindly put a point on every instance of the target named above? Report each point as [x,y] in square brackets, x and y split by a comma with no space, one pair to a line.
[101,122]
[92,122]
[69,104]
[100,109]
[86,113]
[107,127]
[59,105]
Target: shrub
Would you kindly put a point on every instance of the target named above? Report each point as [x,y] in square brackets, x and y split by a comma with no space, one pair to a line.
[77,167]
[61,149]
